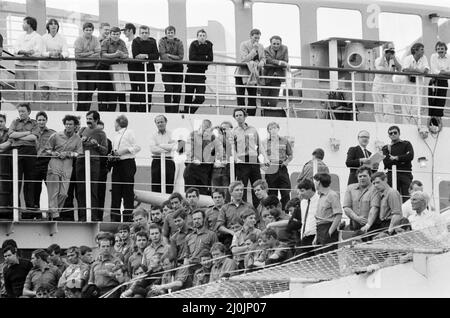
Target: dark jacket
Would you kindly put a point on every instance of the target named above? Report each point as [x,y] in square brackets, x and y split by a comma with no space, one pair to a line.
[405,152]
[149,47]
[200,52]
[352,162]
[15,276]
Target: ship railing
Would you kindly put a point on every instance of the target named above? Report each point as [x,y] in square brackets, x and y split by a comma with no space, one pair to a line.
[9,183]
[303,92]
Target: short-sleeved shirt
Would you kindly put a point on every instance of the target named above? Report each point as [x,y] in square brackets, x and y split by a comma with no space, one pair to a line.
[134,260]
[196,242]
[230,214]
[98,272]
[159,248]
[246,142]
[239,240]
[180,275]
[37,277]
[211,215]
[157,139]
[43,137]
[277,151]
[110,46]
[226,266]
[177,243]
[19,125]
[361,200]
[390,204]
[328,207]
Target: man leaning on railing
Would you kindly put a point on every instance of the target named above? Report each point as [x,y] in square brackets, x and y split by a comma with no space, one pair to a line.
[113,48]
[143,48]
[277,58]
[28,44]
[63,146]
[86,46]
[23,134]
[171,49]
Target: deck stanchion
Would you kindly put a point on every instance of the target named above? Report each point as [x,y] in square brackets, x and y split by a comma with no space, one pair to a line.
[146,88]
[394,177]
[163,173]
[15,166]
[87,173]
[353,96]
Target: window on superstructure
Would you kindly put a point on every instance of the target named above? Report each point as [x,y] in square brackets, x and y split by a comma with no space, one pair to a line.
[285,23]
[340,23]
[402,29]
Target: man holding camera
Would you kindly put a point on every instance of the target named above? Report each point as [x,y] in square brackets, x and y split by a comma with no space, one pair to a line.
[123,162]
[382,88]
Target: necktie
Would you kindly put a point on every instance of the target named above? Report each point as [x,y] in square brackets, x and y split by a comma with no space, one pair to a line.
[306,217]
[366,154]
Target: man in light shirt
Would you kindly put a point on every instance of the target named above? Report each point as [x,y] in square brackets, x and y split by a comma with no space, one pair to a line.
[431,223]
[382,88]
[417,63]
[124,169]
[129,31]
[437,92]
[162,142]
[28,44]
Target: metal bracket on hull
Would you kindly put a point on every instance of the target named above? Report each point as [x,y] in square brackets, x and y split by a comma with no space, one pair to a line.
[420,264]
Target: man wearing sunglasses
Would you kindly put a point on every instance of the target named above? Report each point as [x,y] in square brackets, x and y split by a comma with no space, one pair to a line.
[400,153]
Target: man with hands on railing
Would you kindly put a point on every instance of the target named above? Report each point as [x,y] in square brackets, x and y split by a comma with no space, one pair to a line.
[143,47]
[251,52]
[94,139]
[23,134]
[417,63]
[277,62]
[171,49]
[113,47]
[63,146]
[86,46]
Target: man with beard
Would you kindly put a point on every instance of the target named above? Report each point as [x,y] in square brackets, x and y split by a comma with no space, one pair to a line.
[76,275]
[14,272]
[94,140]
[198,240]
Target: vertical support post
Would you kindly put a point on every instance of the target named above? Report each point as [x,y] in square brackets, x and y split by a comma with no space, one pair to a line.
[418,100]
[15,157]
[394,177]
[163,173]
[217,90]
[288,88]
[353,96]
[146,88]
[333,62]
[314,166]
[87,173]
[232,169]
[72,88]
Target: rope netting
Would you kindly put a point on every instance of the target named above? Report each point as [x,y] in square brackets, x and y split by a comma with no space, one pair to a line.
[353,258]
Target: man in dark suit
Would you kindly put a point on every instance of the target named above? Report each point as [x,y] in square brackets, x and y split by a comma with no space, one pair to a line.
[358,156]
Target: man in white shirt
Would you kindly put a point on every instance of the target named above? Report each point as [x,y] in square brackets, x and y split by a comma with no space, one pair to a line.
[432,224]
[162,143]
[437,92]
[382,88]
[417,63]
[28,44]
[129,31]
[124,168]
[308,207]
